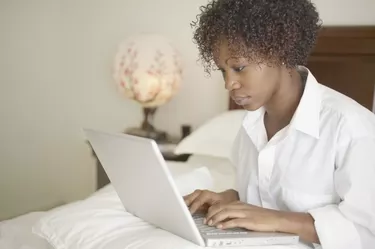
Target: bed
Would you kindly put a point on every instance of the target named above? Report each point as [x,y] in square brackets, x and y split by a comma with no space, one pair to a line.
[100,221]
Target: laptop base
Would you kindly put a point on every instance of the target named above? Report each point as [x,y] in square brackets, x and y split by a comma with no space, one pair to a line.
[251,239]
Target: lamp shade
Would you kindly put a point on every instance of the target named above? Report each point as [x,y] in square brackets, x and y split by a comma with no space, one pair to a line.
[148,69]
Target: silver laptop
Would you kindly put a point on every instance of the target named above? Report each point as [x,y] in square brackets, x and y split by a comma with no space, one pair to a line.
[141,178]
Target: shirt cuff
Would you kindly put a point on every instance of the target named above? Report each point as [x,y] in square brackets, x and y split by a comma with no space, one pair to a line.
[333,229]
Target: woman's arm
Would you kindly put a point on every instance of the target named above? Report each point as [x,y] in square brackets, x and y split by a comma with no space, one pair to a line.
[301,224]
[351,223]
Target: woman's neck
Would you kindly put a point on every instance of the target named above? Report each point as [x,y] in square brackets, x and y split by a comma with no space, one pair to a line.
[281,108]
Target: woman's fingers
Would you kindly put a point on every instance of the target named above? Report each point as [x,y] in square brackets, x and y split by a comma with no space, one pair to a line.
[199,200]
[191,197]
[196,205]
[217,208]
[235,223]
[226,214]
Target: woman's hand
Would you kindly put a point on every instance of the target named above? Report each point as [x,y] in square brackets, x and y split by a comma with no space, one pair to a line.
[239,214]
[243,215]
[202,200]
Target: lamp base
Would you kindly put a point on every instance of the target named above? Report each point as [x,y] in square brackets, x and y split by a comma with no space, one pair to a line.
[147,128]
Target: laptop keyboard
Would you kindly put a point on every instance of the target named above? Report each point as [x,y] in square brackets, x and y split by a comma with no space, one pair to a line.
[208,230]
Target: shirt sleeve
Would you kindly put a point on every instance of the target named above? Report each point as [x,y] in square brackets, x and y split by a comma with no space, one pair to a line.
[351,223]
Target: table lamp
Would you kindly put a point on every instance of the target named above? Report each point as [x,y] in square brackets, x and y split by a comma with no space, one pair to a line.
[148,69]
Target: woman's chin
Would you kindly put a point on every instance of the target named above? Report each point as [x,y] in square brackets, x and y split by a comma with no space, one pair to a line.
[251,107]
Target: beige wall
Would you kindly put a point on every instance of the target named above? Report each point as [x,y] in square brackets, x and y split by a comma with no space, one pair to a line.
[55,77]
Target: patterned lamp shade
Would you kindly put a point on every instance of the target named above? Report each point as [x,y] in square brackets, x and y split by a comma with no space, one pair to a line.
[148,69]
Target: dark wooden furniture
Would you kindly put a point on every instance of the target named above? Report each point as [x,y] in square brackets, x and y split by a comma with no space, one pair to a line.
[344,59]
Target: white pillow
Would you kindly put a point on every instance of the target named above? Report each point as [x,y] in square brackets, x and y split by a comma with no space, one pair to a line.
[215,137]
[221,169]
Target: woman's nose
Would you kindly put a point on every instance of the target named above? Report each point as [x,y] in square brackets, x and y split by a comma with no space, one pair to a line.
[232,85]
[231,80]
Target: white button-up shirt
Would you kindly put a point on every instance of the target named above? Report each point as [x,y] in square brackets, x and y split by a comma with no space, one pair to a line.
[322,163]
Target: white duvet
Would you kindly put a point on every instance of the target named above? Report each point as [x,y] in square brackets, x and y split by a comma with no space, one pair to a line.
[101,222]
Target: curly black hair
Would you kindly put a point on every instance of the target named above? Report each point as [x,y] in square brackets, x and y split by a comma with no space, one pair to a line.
[264,31]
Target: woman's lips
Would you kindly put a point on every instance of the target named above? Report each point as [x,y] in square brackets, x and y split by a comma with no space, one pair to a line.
[241,100]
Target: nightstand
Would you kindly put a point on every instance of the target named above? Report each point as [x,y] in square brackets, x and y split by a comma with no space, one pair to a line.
[166,150]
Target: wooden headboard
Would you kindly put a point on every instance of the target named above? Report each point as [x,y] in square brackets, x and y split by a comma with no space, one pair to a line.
[344,59]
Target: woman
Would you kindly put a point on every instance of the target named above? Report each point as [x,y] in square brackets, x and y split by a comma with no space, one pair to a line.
[305,154]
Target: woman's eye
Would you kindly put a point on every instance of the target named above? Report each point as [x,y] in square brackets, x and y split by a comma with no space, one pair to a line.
[238,69]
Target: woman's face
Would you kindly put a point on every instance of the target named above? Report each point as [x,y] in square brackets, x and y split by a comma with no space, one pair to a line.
[250,85]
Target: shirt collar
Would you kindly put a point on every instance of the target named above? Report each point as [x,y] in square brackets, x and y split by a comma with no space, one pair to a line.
[307,115]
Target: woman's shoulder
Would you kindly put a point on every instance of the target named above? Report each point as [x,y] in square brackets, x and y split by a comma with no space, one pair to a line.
[348,115]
